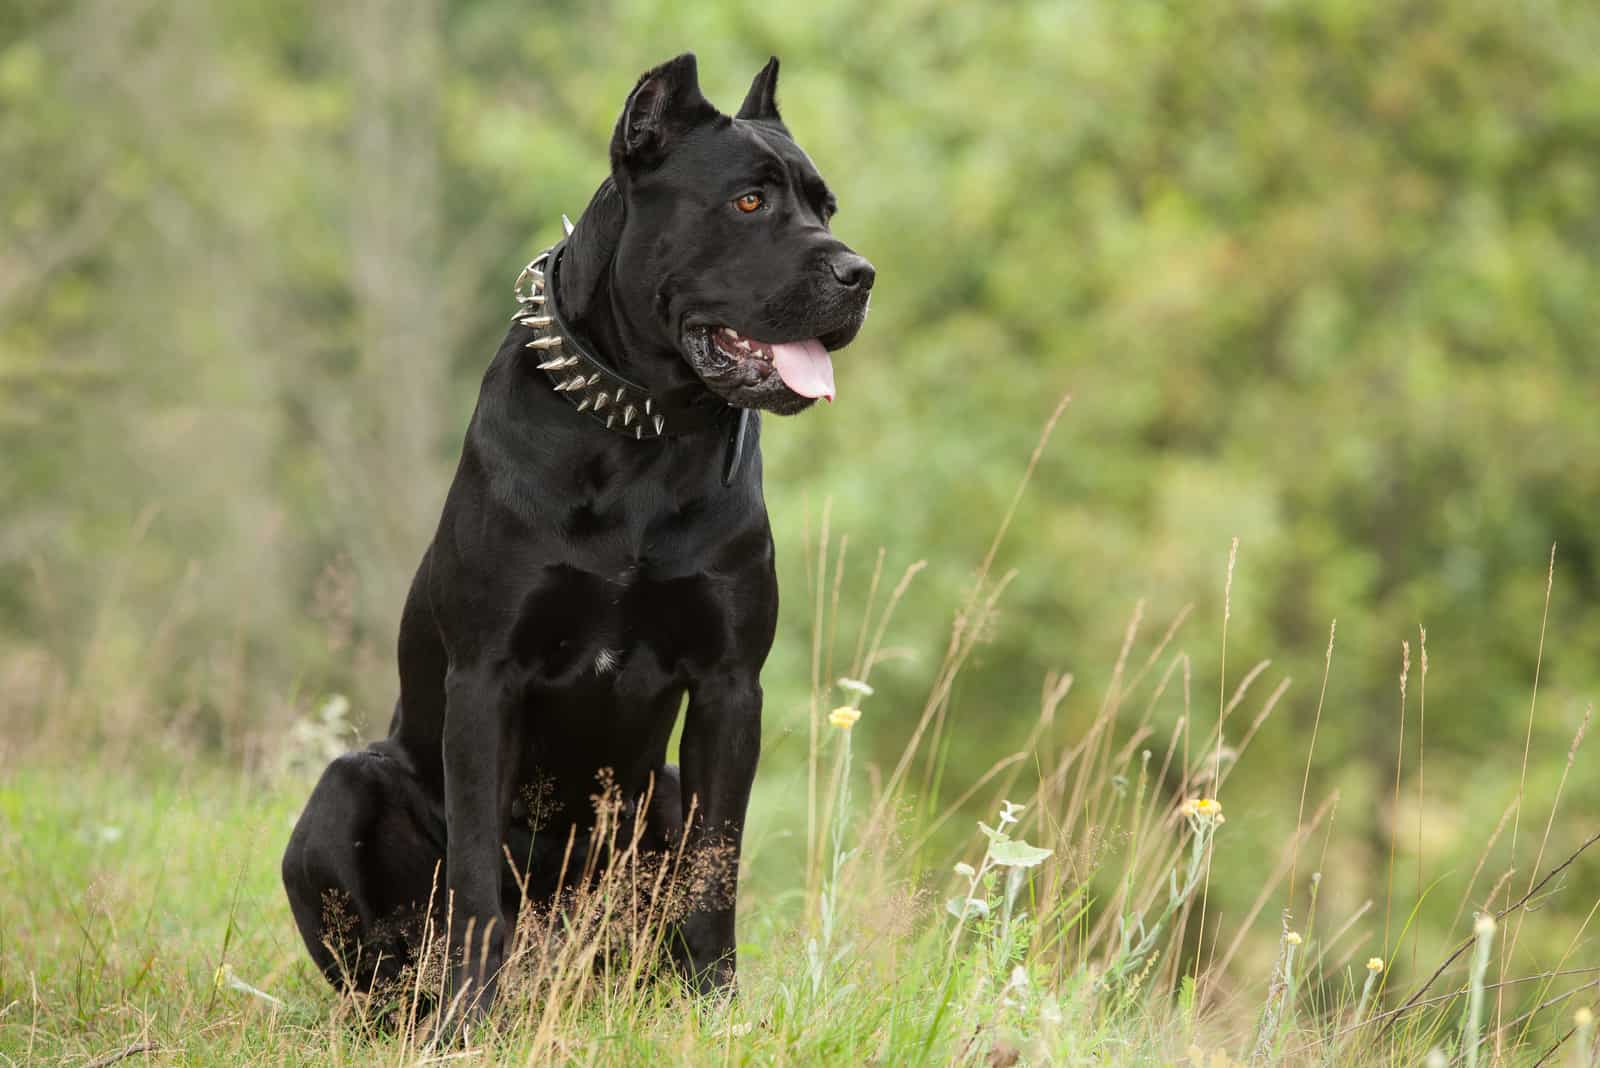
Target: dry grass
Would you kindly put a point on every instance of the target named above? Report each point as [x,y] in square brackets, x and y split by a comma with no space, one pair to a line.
[143,919]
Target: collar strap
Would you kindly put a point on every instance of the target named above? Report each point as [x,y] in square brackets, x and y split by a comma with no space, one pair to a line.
[617,403]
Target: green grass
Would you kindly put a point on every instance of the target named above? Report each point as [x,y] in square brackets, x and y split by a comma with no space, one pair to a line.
[127,893]
[141,912]
[124,890]
[127,889]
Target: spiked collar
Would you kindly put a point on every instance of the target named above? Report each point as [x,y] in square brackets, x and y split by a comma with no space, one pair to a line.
[610,399]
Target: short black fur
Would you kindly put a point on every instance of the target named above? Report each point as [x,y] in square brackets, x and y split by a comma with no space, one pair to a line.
[579,583]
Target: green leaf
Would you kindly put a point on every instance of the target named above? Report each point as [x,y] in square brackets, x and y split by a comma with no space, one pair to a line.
[960,907]
[1186,998]
[1017,854]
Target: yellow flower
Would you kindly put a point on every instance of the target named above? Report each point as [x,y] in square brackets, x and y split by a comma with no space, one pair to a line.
[1292,937]
[1583,1017]
[1374,965]
[1202,807]
[844,717]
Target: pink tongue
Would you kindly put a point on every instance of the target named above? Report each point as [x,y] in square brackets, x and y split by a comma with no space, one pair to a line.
[804,367]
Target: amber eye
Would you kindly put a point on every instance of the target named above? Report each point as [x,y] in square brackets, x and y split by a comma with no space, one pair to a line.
[748,203]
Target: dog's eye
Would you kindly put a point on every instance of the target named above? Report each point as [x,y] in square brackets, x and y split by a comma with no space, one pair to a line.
[749,202]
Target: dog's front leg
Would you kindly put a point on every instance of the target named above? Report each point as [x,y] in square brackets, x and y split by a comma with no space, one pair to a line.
[478,759]
[718,753]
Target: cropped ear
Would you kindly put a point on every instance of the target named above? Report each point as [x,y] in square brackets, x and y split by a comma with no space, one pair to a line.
[761,102]
[665,105]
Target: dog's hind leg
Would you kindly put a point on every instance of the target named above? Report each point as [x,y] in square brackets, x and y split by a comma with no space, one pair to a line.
[360,868]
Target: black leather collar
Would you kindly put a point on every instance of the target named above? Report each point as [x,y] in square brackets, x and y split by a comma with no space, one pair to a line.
[615,402]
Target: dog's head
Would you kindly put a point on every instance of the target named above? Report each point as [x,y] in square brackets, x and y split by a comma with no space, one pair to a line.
[713,231]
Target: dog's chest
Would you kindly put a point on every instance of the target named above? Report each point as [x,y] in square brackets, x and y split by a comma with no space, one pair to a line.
[627,629]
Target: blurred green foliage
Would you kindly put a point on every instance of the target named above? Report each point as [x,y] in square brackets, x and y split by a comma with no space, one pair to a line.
[1321,275]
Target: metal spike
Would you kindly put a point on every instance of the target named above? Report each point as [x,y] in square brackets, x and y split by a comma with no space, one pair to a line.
[571,384]
[538,320]
[620,391]
[551,342]
[583,405]
[638,433]
[647,402]
[627,415]
[612,418]
[566,225]
[535,298]
[556,364]
[660,422]
[601,400]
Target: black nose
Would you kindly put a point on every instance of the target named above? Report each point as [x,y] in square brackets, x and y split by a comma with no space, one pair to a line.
[852,271]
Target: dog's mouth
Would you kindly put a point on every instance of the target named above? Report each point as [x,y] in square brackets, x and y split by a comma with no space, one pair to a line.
[804,366]
[783,377]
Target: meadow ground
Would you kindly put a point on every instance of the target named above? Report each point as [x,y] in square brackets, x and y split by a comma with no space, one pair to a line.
[142,920]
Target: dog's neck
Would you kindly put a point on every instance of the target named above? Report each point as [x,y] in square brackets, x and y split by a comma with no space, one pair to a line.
[594,302]
[632,349]
[644,388]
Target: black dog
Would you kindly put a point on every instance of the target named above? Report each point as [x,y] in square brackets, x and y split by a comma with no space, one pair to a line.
[603,550]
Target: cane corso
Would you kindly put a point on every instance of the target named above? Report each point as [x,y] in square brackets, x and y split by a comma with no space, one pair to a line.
[603,552]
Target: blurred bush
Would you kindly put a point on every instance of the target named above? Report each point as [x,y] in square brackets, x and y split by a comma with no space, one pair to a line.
[1319,274]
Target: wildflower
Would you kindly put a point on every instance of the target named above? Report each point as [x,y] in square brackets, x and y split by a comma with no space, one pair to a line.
[1202,808]
[965,869]
[1374,969]
[1484,926]
[1583,1017]
[855,687]
[1280,995]
[844,717]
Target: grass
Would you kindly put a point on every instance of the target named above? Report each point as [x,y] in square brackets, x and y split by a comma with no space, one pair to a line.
[129,891]
[142,919]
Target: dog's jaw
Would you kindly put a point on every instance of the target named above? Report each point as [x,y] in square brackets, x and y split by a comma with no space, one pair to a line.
[782,377]
[742,377]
